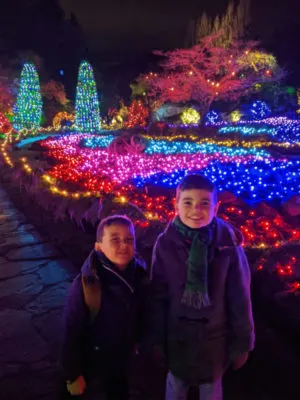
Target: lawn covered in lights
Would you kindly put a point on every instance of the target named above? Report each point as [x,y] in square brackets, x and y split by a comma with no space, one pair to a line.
[253,173]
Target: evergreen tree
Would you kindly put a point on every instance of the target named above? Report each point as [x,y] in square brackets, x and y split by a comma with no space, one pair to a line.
[232,24]
[203,27]
[28,107]
[87,113]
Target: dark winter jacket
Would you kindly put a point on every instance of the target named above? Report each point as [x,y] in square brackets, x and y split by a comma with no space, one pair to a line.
[89,345]
[200,344]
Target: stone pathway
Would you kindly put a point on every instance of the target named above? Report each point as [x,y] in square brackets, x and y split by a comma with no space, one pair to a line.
[34,279]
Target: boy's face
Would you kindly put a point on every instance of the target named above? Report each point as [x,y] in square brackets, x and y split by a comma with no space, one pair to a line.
[117,244]
[196,207]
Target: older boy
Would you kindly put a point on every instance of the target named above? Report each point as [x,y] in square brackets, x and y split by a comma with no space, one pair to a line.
[104,312]
[201,305]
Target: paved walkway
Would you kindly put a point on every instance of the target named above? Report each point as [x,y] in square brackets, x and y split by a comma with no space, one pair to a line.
[34,279]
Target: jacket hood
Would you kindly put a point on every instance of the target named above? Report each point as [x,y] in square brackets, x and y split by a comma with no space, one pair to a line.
[226,235]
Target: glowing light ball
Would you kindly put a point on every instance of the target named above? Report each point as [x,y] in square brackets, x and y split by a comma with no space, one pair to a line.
[190,116]
[259,110]
[213,117]
[235,116]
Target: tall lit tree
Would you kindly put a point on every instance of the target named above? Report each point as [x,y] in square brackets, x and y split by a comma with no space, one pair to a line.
[206,73]
[28,107]
[87,112]
[233,24]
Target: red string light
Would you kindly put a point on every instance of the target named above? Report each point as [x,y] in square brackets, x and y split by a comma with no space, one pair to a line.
[137,115]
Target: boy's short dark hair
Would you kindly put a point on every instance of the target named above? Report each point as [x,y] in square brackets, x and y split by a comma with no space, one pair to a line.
[197,181]
[112,220]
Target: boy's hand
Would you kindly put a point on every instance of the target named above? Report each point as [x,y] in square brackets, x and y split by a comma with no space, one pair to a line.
[240,361]
[77,387]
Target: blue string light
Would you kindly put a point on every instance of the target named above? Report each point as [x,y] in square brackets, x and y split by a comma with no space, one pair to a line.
[248,130]
[259,110]
[280,129]
[97,142]
[167,147]
[213,117]
[254,180]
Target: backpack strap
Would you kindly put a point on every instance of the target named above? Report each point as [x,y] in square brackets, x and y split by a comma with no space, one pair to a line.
[92,295]
[92,290]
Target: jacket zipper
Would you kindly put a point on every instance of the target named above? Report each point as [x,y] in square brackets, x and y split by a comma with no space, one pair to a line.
[120,277]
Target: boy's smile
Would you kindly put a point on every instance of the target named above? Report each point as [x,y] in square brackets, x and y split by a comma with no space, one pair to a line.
[196,207]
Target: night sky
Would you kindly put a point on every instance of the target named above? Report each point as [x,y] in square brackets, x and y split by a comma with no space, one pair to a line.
[125,29]
[118,36]
[134,25]
[137,25]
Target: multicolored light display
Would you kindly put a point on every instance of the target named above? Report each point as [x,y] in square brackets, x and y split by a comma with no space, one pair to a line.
[28,107]
[281,129]
[179,147]
[249,176]
[87,113]
[86,168]
[260,231]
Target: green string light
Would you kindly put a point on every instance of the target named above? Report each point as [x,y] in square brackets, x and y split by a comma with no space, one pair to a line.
[28,107]
[87,113]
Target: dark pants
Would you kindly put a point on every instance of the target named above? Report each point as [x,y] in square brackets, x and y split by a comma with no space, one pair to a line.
[112,387]
[110,379]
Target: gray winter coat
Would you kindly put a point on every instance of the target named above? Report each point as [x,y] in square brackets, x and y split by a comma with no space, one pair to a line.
[201,344]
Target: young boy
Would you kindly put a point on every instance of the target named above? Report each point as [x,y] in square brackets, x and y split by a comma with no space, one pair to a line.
[103,313]
[201,306]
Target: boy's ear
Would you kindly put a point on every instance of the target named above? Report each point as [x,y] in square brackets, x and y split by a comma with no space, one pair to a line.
[97,246]
[176,205]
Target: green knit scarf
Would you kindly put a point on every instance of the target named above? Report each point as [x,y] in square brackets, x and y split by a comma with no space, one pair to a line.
[196,288]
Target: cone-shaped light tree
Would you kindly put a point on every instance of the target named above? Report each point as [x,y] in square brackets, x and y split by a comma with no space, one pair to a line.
[28,106]
[87,113]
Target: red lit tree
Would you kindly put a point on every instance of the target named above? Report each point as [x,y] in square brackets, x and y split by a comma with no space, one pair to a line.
[6,97]
[207,72]
[137,115]
[54,90]
[55,100]
[5,125]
